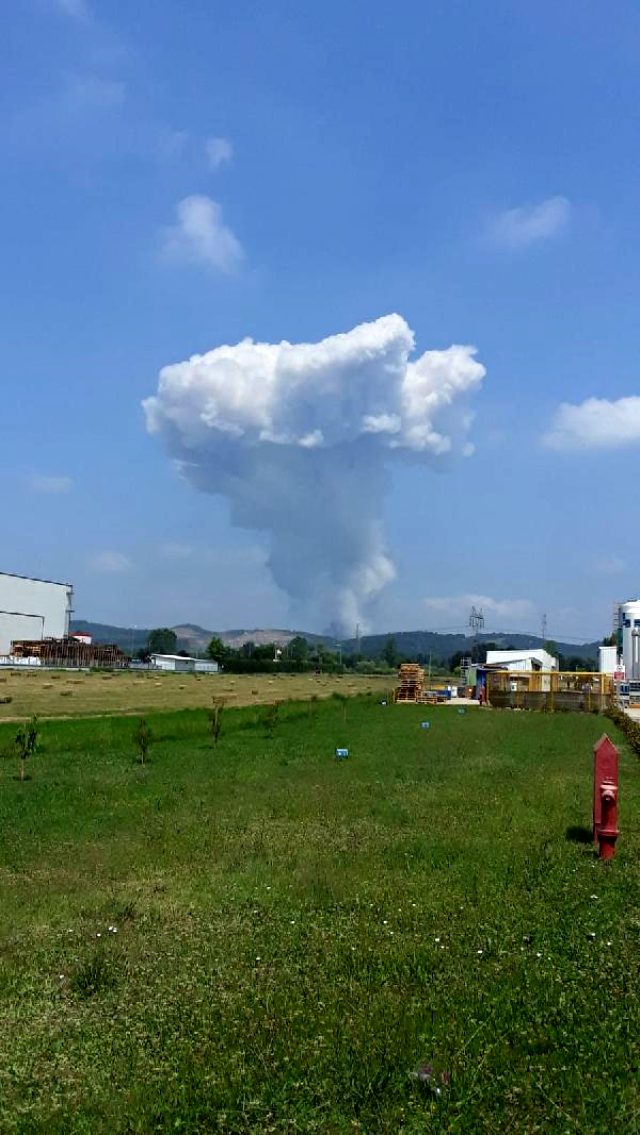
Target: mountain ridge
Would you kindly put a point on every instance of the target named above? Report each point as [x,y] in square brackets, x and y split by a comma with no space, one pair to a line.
[440,646]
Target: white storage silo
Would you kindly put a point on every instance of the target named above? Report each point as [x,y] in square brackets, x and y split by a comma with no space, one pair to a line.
[630,627]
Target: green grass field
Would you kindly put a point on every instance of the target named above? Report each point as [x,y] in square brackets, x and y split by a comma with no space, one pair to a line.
[259,938]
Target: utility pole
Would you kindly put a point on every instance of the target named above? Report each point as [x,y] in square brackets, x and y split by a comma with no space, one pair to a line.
[544,629]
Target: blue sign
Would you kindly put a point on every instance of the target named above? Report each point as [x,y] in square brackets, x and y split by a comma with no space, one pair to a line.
[342,754]
[425,724]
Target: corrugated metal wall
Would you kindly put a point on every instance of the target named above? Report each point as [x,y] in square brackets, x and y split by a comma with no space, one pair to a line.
[32,608]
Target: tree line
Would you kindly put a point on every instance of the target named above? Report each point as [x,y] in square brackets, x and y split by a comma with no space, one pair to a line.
[299,655]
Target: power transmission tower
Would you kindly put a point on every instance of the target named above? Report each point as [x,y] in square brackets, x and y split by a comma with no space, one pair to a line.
[476,622]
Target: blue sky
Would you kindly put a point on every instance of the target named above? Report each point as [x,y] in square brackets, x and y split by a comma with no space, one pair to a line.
[472,167]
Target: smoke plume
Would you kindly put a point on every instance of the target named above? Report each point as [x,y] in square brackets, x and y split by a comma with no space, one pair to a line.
[298,437]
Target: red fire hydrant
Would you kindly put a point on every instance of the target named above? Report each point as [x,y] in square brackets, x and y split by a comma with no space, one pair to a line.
[605,797]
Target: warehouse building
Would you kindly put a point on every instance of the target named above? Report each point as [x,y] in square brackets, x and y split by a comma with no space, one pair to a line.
[521,660]
[179,664]
[32,609]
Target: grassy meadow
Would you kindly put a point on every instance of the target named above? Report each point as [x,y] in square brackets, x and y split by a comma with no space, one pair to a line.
[256,937]
[68,693]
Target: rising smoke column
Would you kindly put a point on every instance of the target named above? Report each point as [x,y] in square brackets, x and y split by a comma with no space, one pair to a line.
[298,437]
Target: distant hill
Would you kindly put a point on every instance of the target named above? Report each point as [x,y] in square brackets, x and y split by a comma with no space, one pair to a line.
[195,639]
[442,646]
[191,637]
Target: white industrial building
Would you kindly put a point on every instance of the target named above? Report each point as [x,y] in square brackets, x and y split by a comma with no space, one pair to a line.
[32,609]
[608,660]
[178,664]
[521,660]
[628,628]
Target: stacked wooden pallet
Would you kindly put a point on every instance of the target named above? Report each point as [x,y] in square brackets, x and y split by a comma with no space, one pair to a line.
[410,682]
[70,652]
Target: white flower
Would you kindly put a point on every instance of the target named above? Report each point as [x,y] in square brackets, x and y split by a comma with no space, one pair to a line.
[479,952]
[436,939]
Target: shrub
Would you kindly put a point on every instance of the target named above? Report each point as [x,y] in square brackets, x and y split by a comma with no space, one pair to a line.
[630,728]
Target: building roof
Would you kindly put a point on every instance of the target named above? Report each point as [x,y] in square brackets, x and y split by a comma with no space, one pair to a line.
[35,579]
[182,658]
[502,657]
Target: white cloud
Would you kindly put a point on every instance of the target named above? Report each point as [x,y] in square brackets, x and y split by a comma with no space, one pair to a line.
[219,151]
[41,484]
[530,224]
[457,608]
[171,143]
[84,94]
[610,565]
[77,9]
[174,550]
[595,423]
[200,236]
[110,562]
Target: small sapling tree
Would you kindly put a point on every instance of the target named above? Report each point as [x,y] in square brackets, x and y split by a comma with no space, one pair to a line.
[27,743]
[342,700]
[270,718]
[215,719]
[143,738]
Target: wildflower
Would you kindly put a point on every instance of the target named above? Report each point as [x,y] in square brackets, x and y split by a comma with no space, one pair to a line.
[436,939]
[479,952]
[594,896]
[538,954]
[425,1074]
[591,936]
